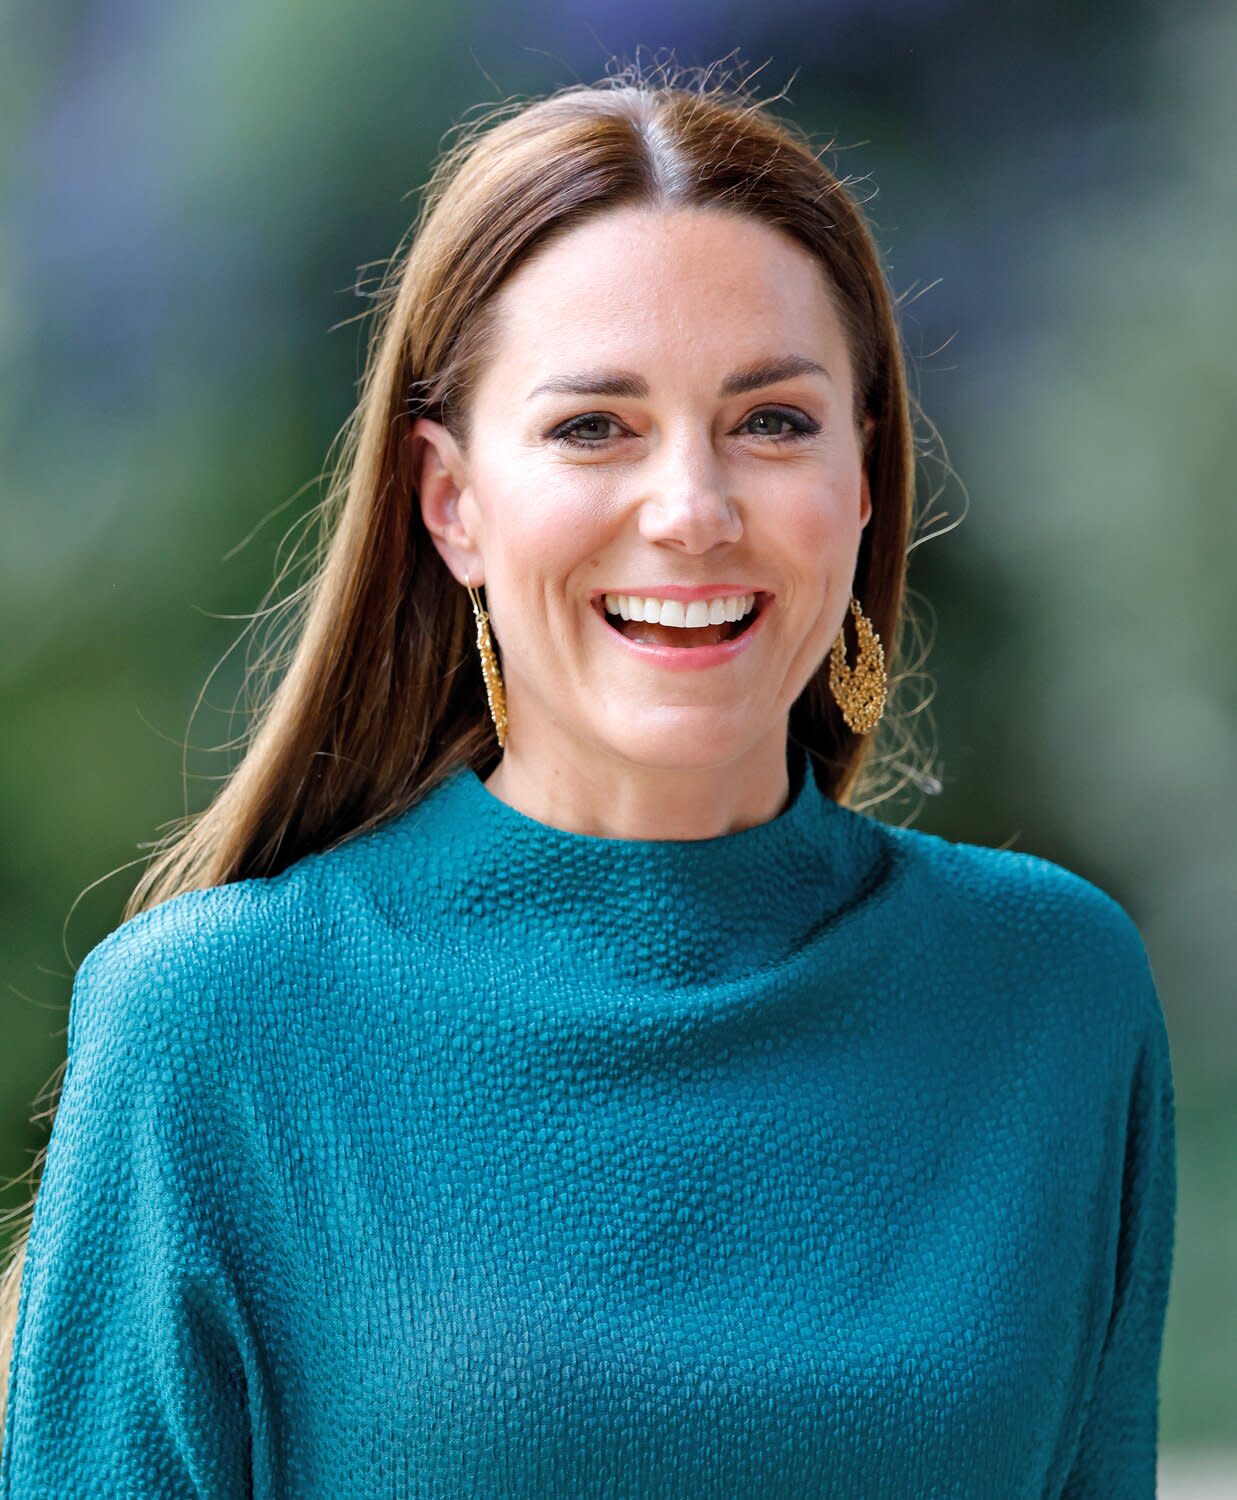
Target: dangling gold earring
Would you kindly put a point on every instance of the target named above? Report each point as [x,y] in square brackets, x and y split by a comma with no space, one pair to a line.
[859,690]
[489,666]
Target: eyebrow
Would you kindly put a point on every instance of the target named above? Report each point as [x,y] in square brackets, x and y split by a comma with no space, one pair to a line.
[624,383]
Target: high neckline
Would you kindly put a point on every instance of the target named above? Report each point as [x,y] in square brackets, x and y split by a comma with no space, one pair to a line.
[652,910]
[737,851]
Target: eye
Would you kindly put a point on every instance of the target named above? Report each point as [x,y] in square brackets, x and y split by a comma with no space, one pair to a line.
[800,427]
[563,432]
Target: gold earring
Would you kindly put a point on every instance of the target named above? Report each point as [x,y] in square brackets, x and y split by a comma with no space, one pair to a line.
[859,690]
[489,666]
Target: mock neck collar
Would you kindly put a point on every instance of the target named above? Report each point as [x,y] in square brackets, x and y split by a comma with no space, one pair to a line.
[722,856]
[651,910]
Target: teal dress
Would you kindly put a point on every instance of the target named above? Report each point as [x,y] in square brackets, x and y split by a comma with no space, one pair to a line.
[477,1158]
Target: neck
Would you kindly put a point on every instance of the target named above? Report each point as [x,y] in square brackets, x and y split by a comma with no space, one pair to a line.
[620,799]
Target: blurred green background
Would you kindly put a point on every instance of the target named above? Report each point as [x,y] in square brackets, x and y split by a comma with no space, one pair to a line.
[197,200]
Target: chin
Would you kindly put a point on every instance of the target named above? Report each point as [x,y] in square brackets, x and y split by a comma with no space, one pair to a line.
[680,737]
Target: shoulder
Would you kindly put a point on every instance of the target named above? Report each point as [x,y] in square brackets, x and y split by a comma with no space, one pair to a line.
[1032,917]
[198,964]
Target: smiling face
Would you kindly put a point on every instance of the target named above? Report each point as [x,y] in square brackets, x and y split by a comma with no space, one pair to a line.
[669,410]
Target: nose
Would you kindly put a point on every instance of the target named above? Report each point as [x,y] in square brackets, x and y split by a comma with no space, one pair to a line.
[689,503]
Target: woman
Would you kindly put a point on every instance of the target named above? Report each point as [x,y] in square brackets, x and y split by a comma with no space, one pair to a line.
[532,1075]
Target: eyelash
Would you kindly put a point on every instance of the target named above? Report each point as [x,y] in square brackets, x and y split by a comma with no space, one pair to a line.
[802,427]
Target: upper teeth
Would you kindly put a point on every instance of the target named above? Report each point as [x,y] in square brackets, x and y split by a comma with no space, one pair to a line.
[675,612]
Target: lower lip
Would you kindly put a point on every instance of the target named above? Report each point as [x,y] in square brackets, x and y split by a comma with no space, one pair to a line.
[688,658]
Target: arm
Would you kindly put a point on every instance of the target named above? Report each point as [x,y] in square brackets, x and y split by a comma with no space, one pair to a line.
[1116,1452]
[126,1377]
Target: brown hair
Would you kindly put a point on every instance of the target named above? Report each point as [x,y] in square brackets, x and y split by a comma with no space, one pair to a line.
[372,692]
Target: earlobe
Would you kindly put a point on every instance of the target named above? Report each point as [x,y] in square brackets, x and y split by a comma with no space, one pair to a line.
[865,501]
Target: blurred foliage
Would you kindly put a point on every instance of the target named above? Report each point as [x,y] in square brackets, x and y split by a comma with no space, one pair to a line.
[198,199]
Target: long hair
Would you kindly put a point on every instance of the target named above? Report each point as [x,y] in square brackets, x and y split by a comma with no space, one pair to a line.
[371,693]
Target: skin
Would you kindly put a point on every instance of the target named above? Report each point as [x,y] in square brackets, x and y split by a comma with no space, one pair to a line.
[683,486]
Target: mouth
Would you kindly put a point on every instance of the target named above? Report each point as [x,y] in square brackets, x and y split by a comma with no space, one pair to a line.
[682,637]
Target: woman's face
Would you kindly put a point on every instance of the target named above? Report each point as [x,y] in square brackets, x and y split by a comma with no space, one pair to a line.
[633,435]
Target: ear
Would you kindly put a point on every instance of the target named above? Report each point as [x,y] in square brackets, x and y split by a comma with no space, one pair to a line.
[440,474]
[865,494]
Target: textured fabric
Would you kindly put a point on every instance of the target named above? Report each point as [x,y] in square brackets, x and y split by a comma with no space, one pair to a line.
[475,1158]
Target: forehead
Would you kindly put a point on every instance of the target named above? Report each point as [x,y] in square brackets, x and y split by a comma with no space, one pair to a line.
[700,282]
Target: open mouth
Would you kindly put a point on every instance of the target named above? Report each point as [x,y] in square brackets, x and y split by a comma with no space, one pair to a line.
[680,636]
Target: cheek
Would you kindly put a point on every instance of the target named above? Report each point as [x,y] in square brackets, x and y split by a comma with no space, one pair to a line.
[813,534]
[550,550]
[550,540]
[534,507]
[817,527]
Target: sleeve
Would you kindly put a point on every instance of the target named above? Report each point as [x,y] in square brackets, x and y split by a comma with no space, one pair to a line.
[126,1375]
[1116,1453]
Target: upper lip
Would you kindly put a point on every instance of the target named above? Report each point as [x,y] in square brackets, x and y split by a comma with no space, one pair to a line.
[685,592]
